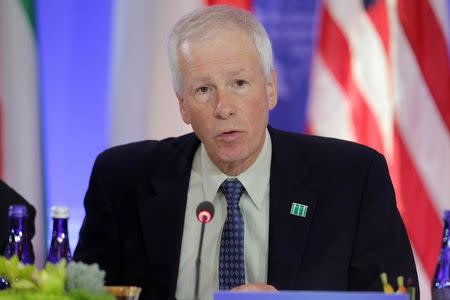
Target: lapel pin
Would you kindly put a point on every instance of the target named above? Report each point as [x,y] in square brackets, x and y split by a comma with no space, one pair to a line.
[299,210]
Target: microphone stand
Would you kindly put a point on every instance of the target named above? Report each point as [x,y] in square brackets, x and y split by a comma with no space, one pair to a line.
[197,262]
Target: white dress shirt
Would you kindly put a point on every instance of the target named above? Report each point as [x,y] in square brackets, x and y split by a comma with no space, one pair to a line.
[204,184]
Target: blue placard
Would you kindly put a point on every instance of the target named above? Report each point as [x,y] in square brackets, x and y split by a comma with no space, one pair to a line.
[308,295]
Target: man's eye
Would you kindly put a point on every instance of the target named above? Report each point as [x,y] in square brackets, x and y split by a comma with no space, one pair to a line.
[202,89]
[240,83]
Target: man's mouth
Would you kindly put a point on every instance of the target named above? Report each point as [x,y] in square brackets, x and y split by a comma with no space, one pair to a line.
[229,136]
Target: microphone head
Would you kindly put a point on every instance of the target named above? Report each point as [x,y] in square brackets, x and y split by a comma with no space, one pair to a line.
[205,212]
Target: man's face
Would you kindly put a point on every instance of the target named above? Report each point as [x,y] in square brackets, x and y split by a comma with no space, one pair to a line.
[226,98]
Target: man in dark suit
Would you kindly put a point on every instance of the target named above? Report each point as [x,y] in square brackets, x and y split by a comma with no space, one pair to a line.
[296,212]
[8,197]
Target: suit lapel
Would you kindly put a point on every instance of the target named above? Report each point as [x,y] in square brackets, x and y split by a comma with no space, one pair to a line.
[287,232]
[162,203]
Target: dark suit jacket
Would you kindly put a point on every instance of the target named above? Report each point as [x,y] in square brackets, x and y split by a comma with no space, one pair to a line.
[136,200]
[8,196]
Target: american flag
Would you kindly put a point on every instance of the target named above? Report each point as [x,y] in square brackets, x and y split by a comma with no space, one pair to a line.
[381,77]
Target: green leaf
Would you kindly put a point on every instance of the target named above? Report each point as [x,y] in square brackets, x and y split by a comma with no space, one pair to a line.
[18,275]
[24,284]
[52,278]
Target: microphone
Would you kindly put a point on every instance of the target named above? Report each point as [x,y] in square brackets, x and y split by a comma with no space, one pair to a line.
[205,213]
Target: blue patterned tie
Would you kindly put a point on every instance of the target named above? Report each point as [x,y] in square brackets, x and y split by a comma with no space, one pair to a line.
[231,260]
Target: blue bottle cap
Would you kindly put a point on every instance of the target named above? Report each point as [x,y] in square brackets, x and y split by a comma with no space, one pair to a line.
[18,211]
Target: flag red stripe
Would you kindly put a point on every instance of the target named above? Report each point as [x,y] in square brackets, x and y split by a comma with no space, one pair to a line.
[334,49]
[419,215]
[245,4]
[379,17]
[428,42]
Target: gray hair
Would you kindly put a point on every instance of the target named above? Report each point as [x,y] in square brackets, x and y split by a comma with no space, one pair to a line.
[200,24]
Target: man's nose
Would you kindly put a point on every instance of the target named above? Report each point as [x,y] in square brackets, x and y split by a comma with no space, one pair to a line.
[224,105]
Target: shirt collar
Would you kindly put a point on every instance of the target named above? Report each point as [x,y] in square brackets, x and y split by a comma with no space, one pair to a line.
[255,179]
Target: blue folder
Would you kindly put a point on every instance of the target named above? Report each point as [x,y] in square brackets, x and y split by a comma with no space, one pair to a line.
[307,295]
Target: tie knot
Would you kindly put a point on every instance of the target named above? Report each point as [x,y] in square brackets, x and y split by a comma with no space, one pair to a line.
[232,188]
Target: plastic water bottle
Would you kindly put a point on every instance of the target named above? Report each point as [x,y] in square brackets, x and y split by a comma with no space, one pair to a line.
[18,241]
[59,246]
[440,288]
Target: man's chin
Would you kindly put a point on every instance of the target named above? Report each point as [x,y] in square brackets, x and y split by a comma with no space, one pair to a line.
[233,161]
[232,157]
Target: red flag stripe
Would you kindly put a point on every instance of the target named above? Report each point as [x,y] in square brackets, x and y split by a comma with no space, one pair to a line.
[428,42]
[419,214]
[334,49]
[245,4]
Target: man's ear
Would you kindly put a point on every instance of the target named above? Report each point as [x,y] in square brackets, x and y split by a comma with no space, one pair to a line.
[184,111]
[271,90]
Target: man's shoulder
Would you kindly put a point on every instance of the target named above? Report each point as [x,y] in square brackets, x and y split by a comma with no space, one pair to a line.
[326,149]
[136,154]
